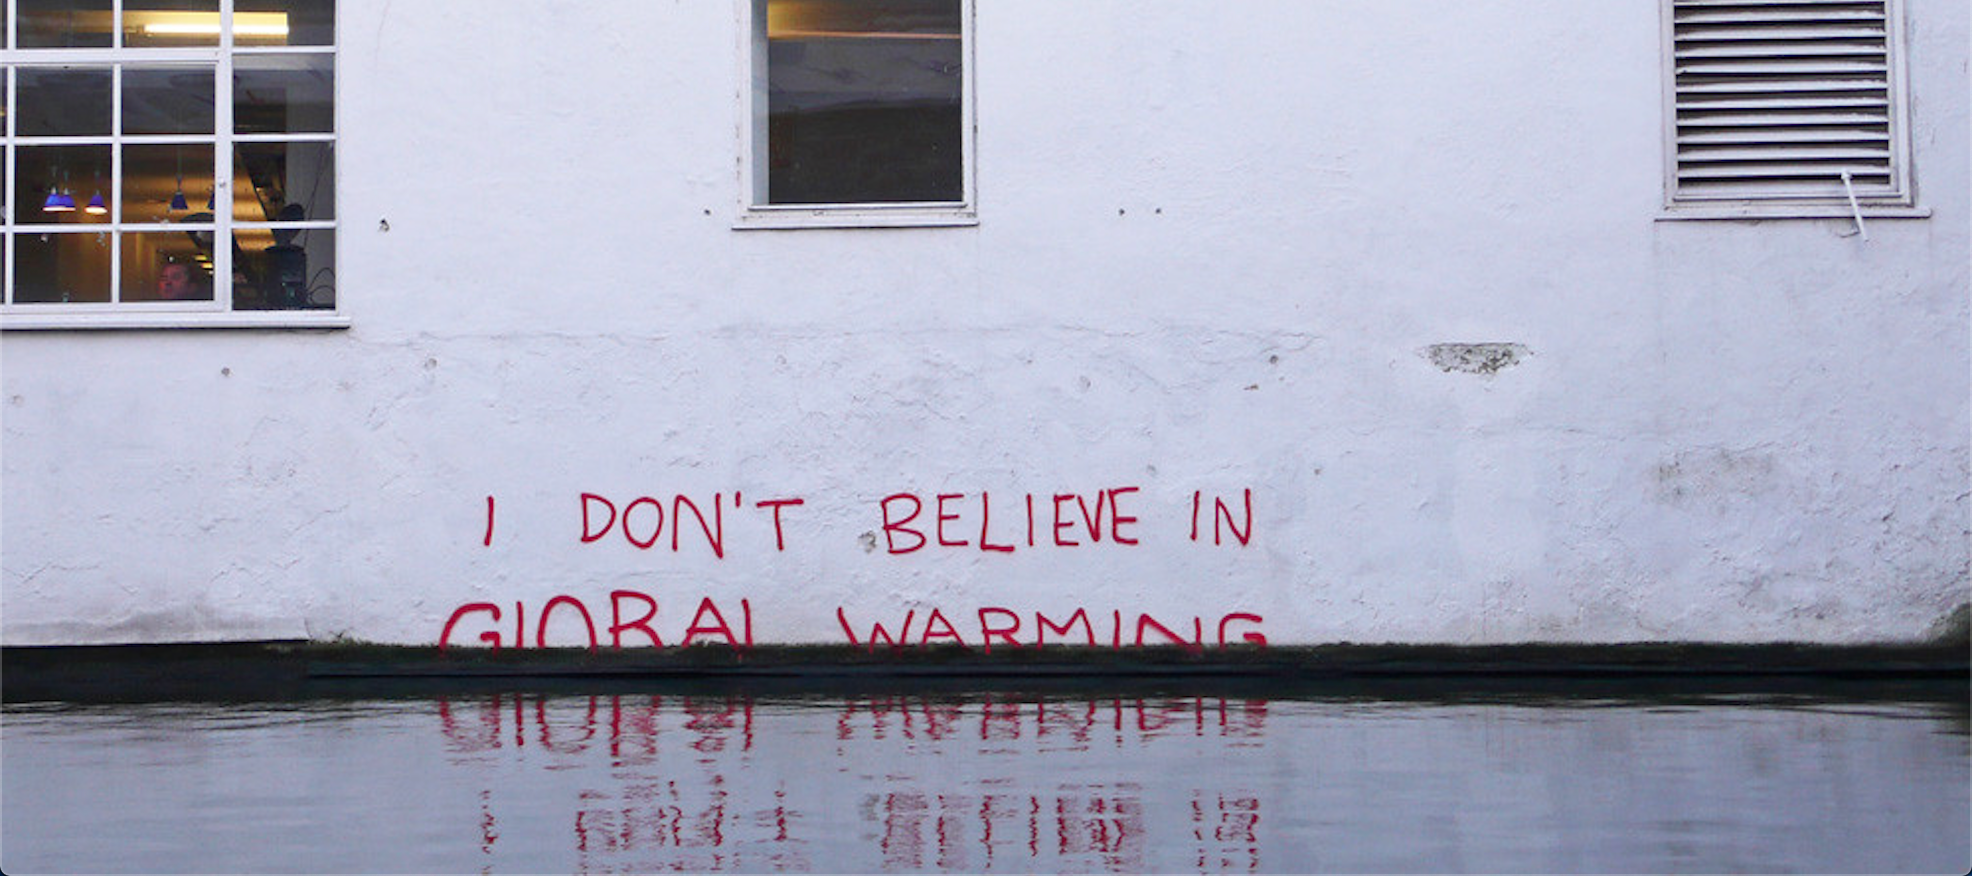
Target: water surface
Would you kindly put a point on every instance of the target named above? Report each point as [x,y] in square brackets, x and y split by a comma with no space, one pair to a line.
[518,782]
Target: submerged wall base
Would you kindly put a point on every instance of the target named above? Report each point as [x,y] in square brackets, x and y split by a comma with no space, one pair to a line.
[304,670]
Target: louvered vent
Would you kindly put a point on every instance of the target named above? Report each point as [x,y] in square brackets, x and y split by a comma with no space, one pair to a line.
[1777,98]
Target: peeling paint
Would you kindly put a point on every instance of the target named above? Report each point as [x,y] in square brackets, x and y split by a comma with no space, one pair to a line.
[1483,359]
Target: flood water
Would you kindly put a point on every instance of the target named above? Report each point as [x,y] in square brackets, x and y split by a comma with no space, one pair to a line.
[520,782]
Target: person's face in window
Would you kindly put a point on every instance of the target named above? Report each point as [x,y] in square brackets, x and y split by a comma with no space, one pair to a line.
[174,283]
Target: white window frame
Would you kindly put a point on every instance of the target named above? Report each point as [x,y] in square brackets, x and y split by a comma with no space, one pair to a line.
[1899,204]
[218,312]
[752,210]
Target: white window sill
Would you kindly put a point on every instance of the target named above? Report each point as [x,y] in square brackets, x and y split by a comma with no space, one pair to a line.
[270,319]
[855,216]
[1681,212]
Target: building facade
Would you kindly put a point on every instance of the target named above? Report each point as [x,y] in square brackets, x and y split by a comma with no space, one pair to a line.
[992,322]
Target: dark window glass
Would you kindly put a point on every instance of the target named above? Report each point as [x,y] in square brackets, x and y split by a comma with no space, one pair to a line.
[864,101]
[284,94]
[62,24]
[287,182]
[64,102]
[167,183]
[284,269]
[167,100]
[54,268]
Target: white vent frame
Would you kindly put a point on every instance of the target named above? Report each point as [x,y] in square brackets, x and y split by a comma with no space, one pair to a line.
[1889,193]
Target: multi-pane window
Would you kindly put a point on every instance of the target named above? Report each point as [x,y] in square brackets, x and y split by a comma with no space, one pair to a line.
[1786,102]
[169,156]
[860,107]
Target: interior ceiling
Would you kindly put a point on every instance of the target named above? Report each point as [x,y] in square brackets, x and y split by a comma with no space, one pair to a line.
[156,28]
[868,19]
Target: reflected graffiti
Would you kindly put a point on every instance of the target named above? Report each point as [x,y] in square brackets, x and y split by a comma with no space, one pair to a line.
[695,785]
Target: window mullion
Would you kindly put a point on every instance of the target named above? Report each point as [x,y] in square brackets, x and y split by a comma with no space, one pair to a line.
[222,164]
[116,178]
[13,178]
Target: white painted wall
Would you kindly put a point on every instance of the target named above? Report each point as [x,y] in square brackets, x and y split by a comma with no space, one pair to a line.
[1215,241]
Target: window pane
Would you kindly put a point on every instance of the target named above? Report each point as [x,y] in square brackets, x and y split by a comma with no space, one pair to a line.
[284,269]
[166,183]
[167,266]
[57,184]
[169,23]
[63,24]
[284,182]
[284,23]
[284,94]
[52,268]
[863,101]
[64,102]
[168,100]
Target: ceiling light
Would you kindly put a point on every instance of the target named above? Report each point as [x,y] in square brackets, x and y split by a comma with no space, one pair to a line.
[178,194]
[206,24]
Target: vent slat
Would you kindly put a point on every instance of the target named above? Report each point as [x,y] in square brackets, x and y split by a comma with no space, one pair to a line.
[1776,86]
[1880,104]
[1780,67]
[1783,34]
[1780,136]
[1811,188]
[1779,85]
[1758,120]
[1770,50]
[1771,14]
[1800,21]
[1697,156]
[1797,169]
[1694,4]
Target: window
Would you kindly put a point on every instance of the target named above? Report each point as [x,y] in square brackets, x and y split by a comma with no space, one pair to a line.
[169,162]
[1786,107]
[860,115]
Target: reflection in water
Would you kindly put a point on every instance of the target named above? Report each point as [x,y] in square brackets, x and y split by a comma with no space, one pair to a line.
[501,783]
[680,796]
